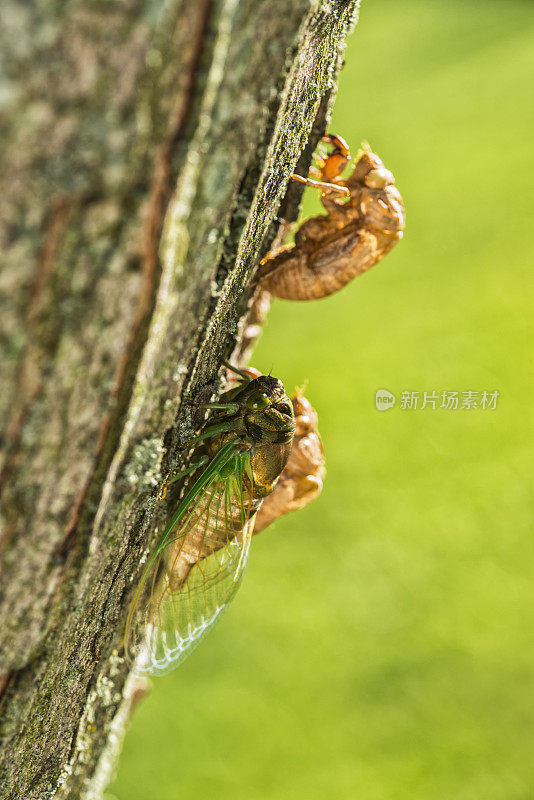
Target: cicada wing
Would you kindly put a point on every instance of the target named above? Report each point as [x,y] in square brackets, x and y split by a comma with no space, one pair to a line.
[191,581]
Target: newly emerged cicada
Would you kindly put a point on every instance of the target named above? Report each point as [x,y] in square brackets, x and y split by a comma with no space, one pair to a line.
[199,560]
[364,219]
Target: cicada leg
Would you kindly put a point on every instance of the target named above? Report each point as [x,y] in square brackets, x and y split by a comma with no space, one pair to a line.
[212,430]
[247,374]
[182,474]
[331,188]
[330,168]
[207,433]
[229,408]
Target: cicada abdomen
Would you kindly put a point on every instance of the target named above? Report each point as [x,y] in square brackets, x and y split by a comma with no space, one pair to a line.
[199,560]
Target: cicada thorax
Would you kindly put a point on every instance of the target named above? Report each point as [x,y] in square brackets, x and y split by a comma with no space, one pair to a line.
[301,480]
[330,250]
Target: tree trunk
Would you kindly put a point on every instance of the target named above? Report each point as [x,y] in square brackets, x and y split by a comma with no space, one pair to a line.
[147,147]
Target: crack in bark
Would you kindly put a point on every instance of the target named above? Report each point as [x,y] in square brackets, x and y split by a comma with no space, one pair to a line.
[29,374]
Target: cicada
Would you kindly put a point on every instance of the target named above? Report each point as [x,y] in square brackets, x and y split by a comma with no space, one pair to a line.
[200,558]
[364,219]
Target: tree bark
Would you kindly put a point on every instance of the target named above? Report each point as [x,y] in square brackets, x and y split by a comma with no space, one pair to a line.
[147,149]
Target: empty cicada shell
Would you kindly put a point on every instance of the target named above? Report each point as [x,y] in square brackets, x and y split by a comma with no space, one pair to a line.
[364,220]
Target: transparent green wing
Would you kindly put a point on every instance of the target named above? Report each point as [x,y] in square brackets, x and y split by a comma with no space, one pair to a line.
[196,568]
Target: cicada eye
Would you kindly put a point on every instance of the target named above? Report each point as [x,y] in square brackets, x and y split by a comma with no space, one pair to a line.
[257,401]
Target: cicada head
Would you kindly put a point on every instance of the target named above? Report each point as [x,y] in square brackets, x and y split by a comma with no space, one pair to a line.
[379,203]
[267,411]
[370,171]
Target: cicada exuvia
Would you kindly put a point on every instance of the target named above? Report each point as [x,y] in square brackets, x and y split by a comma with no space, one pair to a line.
[364,219]
[199,560]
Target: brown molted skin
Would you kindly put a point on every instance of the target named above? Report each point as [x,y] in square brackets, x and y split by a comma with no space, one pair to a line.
[330,250]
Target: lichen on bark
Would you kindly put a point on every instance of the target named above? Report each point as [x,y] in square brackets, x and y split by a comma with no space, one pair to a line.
[145,161]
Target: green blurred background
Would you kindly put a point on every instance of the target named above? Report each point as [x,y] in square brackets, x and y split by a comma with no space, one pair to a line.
[381,645]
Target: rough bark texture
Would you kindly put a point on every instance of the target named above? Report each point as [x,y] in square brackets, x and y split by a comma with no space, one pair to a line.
[147,146]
